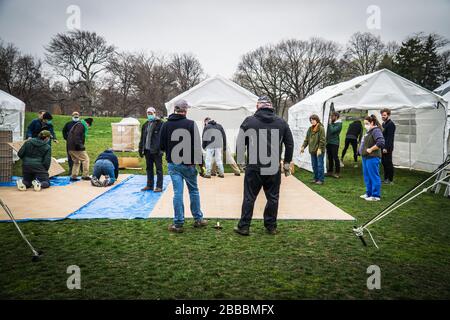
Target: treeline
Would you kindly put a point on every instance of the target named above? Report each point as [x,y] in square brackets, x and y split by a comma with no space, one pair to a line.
[96,78]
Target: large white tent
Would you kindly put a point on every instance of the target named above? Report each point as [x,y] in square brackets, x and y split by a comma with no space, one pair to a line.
[220,99]
[12,115]
[444,91]
[419,114]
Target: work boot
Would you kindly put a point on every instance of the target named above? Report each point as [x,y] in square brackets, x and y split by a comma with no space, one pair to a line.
[175,229]
[157,190]
[36,185]
[242,232]
[147,188]
[200,223]
[20,185]
[272,231]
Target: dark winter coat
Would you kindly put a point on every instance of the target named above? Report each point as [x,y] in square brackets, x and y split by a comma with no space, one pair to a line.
[76,137]
[109,155]
[35,153]
[155,126]
[208,138]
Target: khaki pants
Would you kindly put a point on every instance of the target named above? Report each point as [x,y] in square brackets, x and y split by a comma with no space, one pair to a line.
[77,158]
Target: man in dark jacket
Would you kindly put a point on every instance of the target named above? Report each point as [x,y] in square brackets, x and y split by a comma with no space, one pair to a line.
[388,134]
[42,123]
[353,137]
[76,138]
[65,133]
[214,141]
[107,165]
[264,130]
[36,159]
[149,147]
[180,140]
[333,139]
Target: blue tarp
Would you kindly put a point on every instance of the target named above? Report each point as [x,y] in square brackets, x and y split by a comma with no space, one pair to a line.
[54,181]
[123,201]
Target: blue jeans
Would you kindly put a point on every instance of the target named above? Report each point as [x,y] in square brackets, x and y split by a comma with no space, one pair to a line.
[104,167]
[317,165]
[372,179]
[178,173]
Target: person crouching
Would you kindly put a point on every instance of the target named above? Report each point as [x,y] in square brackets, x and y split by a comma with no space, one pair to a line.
[36,159]
[106,165]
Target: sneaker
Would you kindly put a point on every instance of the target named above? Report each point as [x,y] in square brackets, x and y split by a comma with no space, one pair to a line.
[200,223]
[107,182]
[36,185]
[364,196]
[20,185]
[74,179]
[175,229]
[95,182]
[147,188]
[213,174]
[157,190]
[336,176]
[341,163]
[372,199]
[318,182]
[242,232]
[238,174]
[87,178]
[207,176]
[221,175]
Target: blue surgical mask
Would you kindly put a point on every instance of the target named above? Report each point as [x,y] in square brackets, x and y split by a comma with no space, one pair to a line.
[150,117]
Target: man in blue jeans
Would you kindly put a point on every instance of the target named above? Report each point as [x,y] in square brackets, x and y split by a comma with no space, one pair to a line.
[180,140]
[107,165]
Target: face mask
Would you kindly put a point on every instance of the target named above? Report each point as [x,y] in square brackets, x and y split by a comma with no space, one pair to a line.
[75,119]
[150,117]
[367,126]
[49,121]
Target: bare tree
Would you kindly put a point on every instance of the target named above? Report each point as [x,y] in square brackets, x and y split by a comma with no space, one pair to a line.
[79,56]
[364,53]
[186,69]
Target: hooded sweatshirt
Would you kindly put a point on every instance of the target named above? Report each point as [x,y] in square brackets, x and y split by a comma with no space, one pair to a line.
[177,121]
[209,140]
[333,132]
[266,119]
[35,153]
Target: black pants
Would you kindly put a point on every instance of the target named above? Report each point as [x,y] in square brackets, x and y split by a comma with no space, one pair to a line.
[154,159]
[39,173]
[354,144]
[388,166]
[333,158]
[253,182]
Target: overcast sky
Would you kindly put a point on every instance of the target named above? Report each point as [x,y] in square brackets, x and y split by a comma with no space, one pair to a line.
[217,32]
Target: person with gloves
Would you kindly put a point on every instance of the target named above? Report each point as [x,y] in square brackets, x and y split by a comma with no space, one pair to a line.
[315,141]
[36,158]
[149,147]
[263,131]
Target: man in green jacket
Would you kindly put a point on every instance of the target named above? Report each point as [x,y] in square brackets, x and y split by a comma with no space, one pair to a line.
[333,132]
[315,141]
[36,158]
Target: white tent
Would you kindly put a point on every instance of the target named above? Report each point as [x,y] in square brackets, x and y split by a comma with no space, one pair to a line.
[12,115]
[220,99]
[444,91]
[419,114]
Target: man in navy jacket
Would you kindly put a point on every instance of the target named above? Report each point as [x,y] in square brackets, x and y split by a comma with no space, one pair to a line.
[106,164]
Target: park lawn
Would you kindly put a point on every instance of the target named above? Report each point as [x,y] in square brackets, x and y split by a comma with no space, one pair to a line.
[139,259]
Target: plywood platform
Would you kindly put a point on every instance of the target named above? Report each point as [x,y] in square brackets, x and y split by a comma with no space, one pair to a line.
[222,198]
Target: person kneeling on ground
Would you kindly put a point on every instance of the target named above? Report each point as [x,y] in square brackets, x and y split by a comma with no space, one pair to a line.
[107,165]
[36,159]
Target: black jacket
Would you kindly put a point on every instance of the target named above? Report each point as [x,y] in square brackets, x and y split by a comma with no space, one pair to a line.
[208,139]
[388,134]
[109,155]
[76,137]
[154,144]
[36,126]
[354,131]
[67,127]
[178,121]
[266,119]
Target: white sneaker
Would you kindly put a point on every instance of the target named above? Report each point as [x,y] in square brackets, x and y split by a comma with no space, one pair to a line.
[36,185]
[341,163]
[372,199]
[20,185]
[364,196]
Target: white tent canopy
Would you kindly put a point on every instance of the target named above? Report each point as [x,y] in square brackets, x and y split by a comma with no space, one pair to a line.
[220,99]
[419,114]
[12,115]
[443,89]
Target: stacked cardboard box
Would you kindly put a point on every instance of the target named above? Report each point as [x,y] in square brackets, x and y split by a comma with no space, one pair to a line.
[6,155]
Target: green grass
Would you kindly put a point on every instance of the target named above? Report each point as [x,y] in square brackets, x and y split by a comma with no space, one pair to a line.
[139,259]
